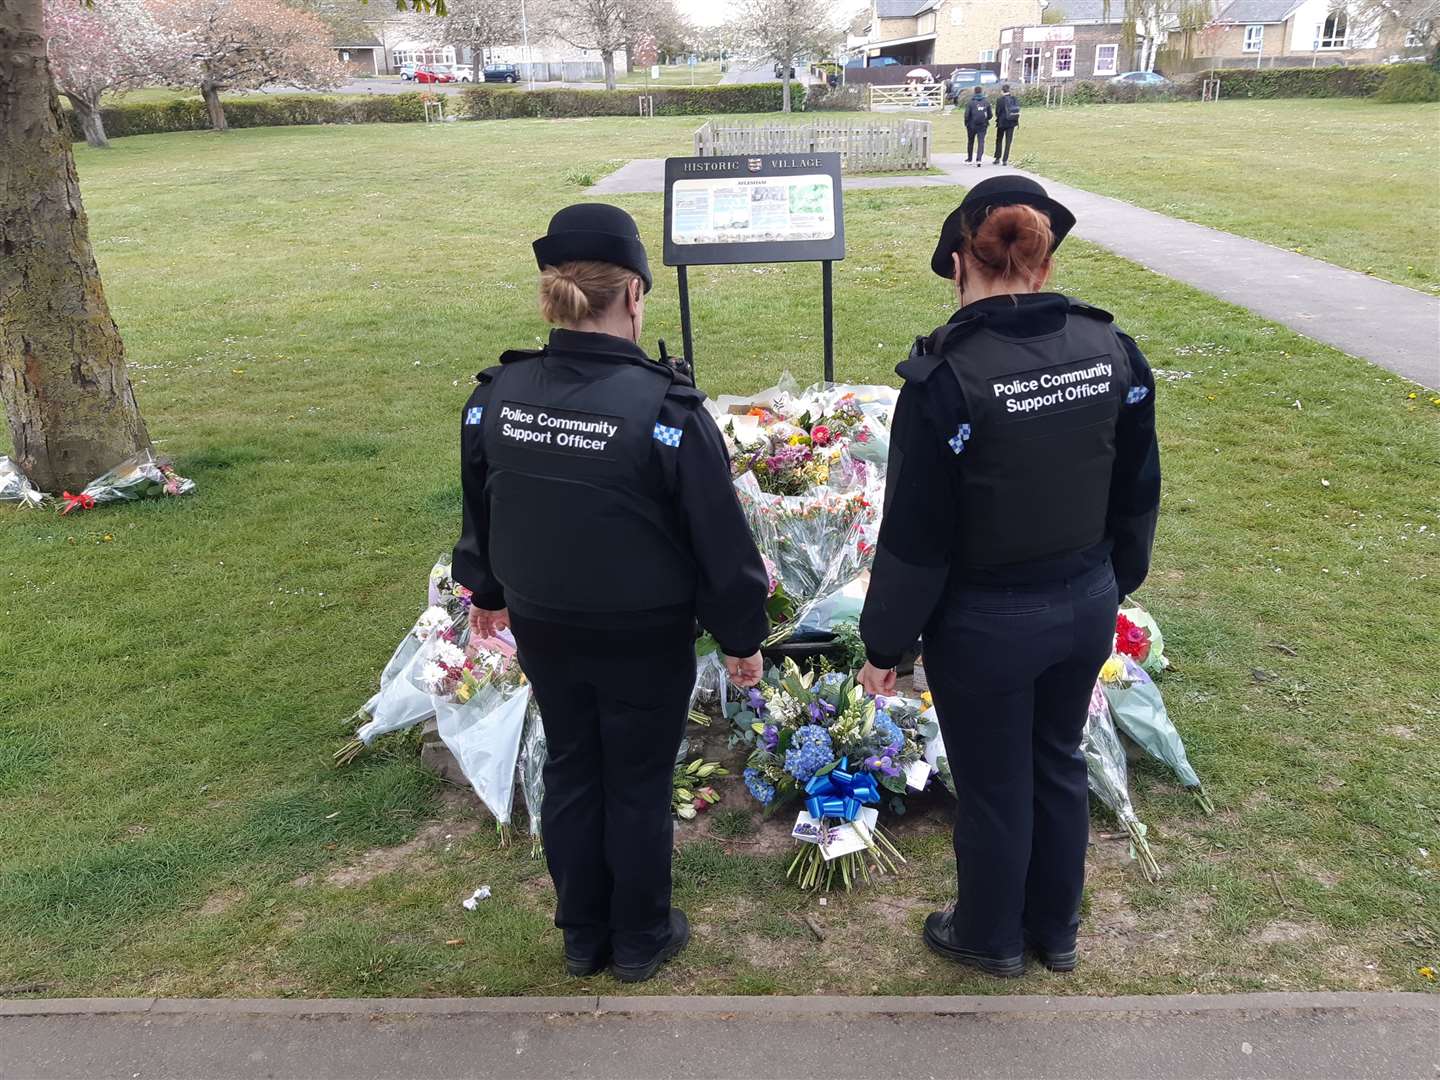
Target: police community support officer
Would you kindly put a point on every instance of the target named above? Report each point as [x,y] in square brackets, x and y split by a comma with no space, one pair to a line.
[1024,485]
[599,523]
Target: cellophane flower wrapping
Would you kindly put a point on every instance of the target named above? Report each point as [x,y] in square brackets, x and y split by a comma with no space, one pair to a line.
[1155,661]
[810,473]
[143,476]
[712,682]
[818,542]
[480,697]
[533,755]
[1139,711]
[15,486]
[1110,779]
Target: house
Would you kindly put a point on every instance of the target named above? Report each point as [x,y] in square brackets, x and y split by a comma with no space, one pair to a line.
[1300,33]
[1087,43]
[940,33]
[385,46]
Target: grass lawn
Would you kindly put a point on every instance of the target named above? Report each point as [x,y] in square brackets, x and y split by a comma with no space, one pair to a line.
[1353,182]
[304,308]
[706,74]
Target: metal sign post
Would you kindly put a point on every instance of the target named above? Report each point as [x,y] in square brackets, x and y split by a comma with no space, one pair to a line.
[755,209]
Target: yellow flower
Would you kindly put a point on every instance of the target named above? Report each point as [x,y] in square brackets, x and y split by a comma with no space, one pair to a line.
[1426,973]
[928,700]
[1113,671]
[1412,395]
[794,440]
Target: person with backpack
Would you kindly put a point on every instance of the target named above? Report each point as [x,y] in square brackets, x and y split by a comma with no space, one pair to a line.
[977,123]
[1007,119]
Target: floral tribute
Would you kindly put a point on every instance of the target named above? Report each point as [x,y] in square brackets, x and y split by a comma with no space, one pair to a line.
[824,742]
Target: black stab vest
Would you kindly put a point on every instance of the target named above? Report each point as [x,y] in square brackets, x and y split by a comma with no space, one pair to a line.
[1036,462]
[581,515]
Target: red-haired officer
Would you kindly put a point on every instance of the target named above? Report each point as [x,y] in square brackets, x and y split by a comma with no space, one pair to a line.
[1024,485]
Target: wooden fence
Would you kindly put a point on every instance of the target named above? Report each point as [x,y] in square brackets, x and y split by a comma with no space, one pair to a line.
[863,145]
[927,96]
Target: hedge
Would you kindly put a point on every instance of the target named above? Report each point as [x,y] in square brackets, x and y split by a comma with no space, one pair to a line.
[1409,82]
[189,114]
[493,103]
[1316,82]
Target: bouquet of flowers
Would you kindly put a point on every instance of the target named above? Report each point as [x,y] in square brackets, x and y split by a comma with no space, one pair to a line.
[140,477]
[15,486]
[1137,635]
[816,544]
[533,754]
[481,699]
[1109,779]
[826,742]
[400,703]
[692,794]
[1139,711]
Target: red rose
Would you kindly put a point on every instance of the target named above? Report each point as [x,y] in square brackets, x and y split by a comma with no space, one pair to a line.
[1131,640]
[701,805]
[820,435]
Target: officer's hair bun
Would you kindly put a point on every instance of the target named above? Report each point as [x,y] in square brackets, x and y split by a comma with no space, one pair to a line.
[1013,242]
[575,291]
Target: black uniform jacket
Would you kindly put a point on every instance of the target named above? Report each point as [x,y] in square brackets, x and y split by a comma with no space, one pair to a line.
[923,513]
[731,579]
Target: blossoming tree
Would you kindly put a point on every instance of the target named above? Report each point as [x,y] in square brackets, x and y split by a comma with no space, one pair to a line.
[109,48]
[248,45]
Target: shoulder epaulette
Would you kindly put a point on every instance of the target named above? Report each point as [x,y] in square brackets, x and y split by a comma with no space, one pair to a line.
[1082,308]
[511,356]
[688,396]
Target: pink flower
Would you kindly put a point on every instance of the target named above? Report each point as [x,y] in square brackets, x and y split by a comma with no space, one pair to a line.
[820,435]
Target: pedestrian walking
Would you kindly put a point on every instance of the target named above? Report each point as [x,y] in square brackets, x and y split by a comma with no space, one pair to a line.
[599,523]
[1007,119]
[1024,484]
[977,123]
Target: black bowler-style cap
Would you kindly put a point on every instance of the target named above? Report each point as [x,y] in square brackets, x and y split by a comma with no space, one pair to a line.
[984,197]
[597,232]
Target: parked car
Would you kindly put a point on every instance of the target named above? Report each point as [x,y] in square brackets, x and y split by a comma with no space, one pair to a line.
[780,71]
[874,61]
[1152,79]
[433,75]
[507,73]
[461,72]
[962,80]
[407,71]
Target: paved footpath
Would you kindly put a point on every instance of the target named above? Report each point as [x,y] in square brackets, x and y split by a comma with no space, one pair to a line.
[1350,1036]
[1387,324]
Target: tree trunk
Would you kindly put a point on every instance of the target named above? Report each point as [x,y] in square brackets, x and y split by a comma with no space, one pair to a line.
[211,93]
[785,88]
[68,399]
[609,58]
[476,66]
[92,125]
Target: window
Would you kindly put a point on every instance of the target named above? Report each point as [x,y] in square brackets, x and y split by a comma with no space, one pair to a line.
[1413,40]
[1254,38]
[1064,60]
[345,55]
[987,56]
[1335,31]
[1105,56]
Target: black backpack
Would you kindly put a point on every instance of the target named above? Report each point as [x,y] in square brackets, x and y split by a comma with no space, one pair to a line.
[1008,112]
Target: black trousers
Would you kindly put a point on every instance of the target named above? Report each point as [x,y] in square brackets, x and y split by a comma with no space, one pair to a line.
[975,134]
[1012,671]
[1004,136]
[614,716]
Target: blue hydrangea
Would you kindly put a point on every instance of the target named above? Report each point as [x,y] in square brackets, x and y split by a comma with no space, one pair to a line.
[761,788]
[809,752]
[886,732]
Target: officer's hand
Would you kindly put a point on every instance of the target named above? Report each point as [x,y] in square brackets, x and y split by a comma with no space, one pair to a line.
[874,681]
[747,672]
[485,624]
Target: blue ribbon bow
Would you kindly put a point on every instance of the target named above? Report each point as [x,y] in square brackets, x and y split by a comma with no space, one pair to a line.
[840,793]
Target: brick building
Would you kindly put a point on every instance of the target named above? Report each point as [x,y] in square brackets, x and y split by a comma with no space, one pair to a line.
[942,32]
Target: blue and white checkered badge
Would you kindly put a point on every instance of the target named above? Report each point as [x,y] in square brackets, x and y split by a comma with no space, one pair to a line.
[960,438]
[475,414]
[1137,394]
[670,436]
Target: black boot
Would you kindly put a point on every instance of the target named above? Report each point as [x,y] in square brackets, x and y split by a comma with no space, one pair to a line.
[1060,961]
[938,938]
[584,955]
[679,938]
